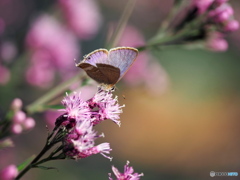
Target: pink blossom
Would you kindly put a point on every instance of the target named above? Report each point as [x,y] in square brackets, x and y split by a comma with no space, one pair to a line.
[156,79]
[82,16]
[20,121]
[79,143]
[104,106]
[16,104]
[9,173]
[29,123]
[54,49]
[16,129]
[216,42]
[221,13]
[128,173]
[41,70]
[75,107]
[19,117]
[8,51]
[231,26]
[145,70]
[202,5]
[4,74]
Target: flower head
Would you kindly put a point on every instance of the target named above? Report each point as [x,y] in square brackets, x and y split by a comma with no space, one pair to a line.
[128,173]
[79,143]
[75,107]
[104,106]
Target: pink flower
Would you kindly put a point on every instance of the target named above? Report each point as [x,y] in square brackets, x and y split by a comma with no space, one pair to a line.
[79,143]
[128,173]
[19,117]
[20,121]
[29,123]
[54,49]
[145,70]
[41,71]
[9,172]
[76,108]
[4,74]
[231,26]
[202,5]
[16,104]
[216,42]
[104,106]
[82,16]
[8,51]
[221,13]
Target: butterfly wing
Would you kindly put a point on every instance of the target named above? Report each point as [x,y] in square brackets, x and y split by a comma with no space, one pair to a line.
[89,64]
[97,56]
[122,58]
[111,73]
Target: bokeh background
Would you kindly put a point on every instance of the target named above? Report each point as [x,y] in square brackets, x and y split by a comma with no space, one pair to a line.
[182,114]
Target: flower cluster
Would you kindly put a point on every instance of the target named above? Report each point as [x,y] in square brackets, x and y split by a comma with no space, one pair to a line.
[45,39]
[80,117]
[217,20]
[128,173]
[20,121]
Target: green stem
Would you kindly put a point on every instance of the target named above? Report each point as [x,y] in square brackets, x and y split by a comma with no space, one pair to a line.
[122,24]
[37,105]
[169,39]
[44,150]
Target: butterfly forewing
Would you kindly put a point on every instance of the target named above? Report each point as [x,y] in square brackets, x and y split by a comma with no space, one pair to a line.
[97,56]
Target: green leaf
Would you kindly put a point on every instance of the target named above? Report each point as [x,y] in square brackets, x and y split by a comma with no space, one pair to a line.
[25,163]
[56,106]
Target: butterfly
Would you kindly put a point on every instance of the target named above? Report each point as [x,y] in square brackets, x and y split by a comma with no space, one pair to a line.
[108,67]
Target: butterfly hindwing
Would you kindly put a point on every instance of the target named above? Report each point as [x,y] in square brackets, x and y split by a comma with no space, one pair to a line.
[111,73]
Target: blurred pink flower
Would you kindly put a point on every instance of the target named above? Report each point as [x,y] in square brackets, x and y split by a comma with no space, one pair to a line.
[54,49]
[221,13]
[16,104]
[4,75]
[20,121]
[8,51]
[82,16]
[9,172]
[41,70]
[202,5]
[145,70]
[216,42]
[231,25]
